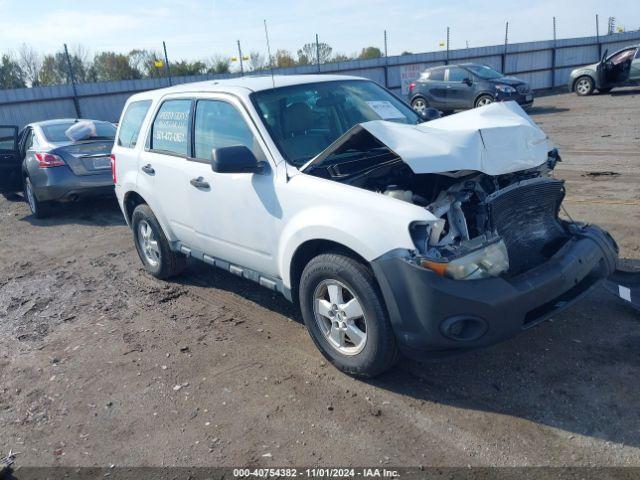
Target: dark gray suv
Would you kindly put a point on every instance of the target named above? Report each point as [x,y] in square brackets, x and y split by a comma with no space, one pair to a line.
[464,86]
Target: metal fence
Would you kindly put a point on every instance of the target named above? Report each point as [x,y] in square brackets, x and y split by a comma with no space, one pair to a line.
[544,64]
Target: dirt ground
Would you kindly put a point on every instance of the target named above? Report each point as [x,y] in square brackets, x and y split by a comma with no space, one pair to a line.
[101,364]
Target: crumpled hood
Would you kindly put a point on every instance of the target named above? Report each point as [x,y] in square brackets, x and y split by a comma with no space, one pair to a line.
[496,139]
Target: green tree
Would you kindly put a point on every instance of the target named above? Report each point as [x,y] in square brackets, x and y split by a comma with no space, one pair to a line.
[284,59]
[340,57]
[184,68]
[11,75]
[145,62]
[108,66]
[55,70]
[310,52]
[370,52]
[218,64]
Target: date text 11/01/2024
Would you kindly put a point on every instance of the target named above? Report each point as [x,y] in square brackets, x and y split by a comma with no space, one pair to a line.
[316,472]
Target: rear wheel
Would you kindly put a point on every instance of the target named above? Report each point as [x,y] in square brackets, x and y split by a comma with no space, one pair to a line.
[584,86]
[419,104]
[153,247]
[38,209]
[483,100]
[343,311]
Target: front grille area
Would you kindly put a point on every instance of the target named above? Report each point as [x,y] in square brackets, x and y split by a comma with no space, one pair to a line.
[525,215]
[523,89]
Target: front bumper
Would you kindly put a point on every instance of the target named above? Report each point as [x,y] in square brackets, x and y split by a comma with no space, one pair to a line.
[423,305]
[60,184]
[524,100]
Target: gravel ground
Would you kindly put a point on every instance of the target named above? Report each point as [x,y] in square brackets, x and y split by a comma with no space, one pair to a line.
[101,364]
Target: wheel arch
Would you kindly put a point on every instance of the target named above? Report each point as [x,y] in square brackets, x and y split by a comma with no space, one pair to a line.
[310,249]
[131,200]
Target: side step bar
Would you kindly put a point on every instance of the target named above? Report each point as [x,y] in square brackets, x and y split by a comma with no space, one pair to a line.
[625,285]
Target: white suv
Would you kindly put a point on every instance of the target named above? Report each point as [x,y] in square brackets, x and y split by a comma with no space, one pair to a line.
[392,234]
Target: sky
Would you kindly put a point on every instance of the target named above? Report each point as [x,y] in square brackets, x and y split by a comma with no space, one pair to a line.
[201,29]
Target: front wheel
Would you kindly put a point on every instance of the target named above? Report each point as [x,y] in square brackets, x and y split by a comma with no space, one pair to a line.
[483,100]
[38,209]
[153,247]
[584,86]
[343,310]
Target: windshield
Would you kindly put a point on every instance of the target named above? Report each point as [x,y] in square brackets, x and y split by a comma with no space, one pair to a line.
[483,71]
[303,120]
[57,132]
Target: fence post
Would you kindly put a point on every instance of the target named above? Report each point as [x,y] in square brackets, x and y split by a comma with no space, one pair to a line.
[553,56]
[386,62]
[166,63]
[446,62]
[598,37]
[504,53]
[72,78]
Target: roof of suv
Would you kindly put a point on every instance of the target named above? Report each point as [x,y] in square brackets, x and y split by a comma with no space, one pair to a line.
[246,84]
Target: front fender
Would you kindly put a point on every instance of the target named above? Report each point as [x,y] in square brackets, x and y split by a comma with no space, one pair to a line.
[369,234]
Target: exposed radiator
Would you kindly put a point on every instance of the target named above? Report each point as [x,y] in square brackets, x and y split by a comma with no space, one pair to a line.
[525,214]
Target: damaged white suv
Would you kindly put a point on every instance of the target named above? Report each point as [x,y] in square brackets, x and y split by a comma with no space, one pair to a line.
[393,235]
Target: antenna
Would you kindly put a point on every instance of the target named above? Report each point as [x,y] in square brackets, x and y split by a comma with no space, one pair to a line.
[266,34]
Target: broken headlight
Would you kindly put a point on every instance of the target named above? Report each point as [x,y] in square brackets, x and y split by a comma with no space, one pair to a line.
[488,261]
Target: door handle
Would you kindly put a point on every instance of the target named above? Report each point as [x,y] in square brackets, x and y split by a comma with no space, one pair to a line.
[199,183]
[148,169]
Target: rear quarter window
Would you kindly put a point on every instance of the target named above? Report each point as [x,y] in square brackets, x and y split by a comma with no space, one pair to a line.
[436,75]
[170,129]
[132,123]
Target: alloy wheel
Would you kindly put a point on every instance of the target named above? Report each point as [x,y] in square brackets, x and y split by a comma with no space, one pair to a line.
[340,317]
[484,101]
[419,105]
[148,243]
[583,87]
[31,198]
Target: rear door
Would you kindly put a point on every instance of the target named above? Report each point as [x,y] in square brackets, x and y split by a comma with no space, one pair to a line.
[10,160]
[435,89]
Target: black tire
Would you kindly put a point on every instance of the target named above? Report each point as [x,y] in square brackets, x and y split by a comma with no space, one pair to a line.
[482,100]
[583,86]
[419,104]
[38,209]
[605,90]
[169,263]
[380,351]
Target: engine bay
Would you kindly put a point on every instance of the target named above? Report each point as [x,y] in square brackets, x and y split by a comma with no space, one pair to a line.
[511,218]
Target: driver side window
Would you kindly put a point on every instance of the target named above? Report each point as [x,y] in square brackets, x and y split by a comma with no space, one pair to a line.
[219,124]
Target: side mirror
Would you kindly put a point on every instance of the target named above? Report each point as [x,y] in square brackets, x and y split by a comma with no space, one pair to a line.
[235,159]
[430,113]
[468,81]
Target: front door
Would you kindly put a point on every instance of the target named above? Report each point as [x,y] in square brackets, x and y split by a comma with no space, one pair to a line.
[235,214]
[10,160]
[634,75]
[459,92]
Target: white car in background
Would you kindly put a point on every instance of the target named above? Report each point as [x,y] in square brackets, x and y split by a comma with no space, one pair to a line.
[393,235]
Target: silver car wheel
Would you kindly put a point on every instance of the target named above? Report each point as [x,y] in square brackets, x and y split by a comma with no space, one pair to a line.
[484,101]
[419,105]
[31,198]
[340,317]
[583,86]
[148,243]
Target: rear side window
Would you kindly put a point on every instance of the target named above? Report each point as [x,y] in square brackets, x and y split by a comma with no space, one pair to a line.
[170,129]
[132,122]
[218,124]
[436,75]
